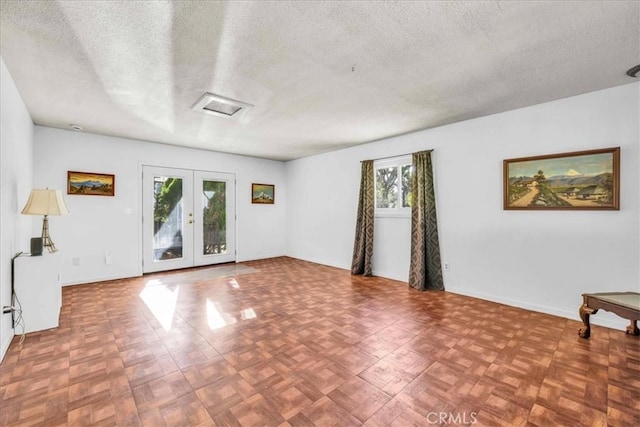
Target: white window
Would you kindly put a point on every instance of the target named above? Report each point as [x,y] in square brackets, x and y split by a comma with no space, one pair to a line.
[393,186]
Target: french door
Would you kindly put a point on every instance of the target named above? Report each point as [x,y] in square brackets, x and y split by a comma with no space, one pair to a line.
[188,218]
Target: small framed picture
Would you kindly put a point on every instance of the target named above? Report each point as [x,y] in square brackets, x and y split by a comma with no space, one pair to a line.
[262,194]
[90,184]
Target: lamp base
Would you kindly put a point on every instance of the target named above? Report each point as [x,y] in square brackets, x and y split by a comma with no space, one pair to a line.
[46,239]
[36,246]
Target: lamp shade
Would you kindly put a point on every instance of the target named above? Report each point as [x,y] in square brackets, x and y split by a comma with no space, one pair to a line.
[45,202]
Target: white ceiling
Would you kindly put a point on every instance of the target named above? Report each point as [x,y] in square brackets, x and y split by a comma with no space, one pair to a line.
[321,75]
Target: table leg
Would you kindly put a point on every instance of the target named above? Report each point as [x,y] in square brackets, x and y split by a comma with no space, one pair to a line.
[585,312]
[632,329]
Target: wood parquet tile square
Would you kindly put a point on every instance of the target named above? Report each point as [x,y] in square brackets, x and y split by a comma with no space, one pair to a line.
[256,410]
[324,412]
[359,398]
[290,343]
[187,410]
[290,396]
[222,395]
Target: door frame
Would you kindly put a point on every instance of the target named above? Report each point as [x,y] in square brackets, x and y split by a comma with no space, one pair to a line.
[231,255]
[234,216]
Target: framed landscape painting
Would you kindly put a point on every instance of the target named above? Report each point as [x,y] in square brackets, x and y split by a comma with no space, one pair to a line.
[90,184]
[263,194]
[581,180]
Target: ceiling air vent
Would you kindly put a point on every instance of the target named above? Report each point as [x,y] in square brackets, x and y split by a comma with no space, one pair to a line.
[219,105]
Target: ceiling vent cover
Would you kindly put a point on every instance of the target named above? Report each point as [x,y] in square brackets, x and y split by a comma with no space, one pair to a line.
[219,105]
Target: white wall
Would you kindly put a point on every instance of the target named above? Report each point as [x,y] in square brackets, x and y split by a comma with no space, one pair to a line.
[99,225]
[16,143]
[534,259]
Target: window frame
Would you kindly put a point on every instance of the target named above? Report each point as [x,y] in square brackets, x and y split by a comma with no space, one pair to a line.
[398,162]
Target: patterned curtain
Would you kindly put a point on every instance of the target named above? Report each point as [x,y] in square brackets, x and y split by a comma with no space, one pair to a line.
[363,246]
[425,271]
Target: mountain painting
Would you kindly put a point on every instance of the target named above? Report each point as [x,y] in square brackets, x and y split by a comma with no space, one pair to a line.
[90,184]
[577,180]
[262,193]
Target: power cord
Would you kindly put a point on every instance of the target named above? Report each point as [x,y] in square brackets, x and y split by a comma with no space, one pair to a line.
[19,320]
[16,313]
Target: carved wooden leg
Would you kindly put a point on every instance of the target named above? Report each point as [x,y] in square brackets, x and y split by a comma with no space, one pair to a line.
[632,329]
[585,312]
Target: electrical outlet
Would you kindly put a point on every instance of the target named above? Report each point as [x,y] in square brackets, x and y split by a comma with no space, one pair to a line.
[446,266]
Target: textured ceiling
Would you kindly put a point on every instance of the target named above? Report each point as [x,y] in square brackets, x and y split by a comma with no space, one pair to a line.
[321,75]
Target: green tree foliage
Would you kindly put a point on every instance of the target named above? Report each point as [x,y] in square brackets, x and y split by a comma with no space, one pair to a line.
[167,196]
[517,191]
[407,194]
[214,214]
[546,197]
[386,190]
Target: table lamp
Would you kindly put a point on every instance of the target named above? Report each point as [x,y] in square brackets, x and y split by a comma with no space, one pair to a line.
[46,202]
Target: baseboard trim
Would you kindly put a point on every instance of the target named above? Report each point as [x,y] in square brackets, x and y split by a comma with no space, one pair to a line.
[390,276]
[572,315]
[101,279]
[258,257]
[317,261]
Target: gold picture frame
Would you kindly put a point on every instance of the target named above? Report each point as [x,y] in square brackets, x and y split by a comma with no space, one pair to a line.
[90,184]
[263,194]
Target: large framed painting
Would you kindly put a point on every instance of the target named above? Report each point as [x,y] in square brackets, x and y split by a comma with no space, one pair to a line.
[581,180]
[90,184]
[263,194]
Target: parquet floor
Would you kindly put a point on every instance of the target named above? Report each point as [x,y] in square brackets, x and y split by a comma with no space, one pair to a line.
[293,343]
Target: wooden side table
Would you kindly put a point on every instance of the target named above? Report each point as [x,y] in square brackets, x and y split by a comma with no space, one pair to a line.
[624,304]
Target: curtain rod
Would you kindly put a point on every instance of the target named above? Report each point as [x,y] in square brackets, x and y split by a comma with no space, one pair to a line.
[398,155]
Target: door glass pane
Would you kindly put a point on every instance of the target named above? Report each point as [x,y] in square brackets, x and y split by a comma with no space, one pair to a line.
[214,217]
[167,218]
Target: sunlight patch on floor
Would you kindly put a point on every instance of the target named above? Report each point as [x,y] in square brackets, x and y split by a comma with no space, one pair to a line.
[161,301]
[217,318]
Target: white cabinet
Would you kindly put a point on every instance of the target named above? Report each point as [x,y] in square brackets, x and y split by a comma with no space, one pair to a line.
[37,286]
